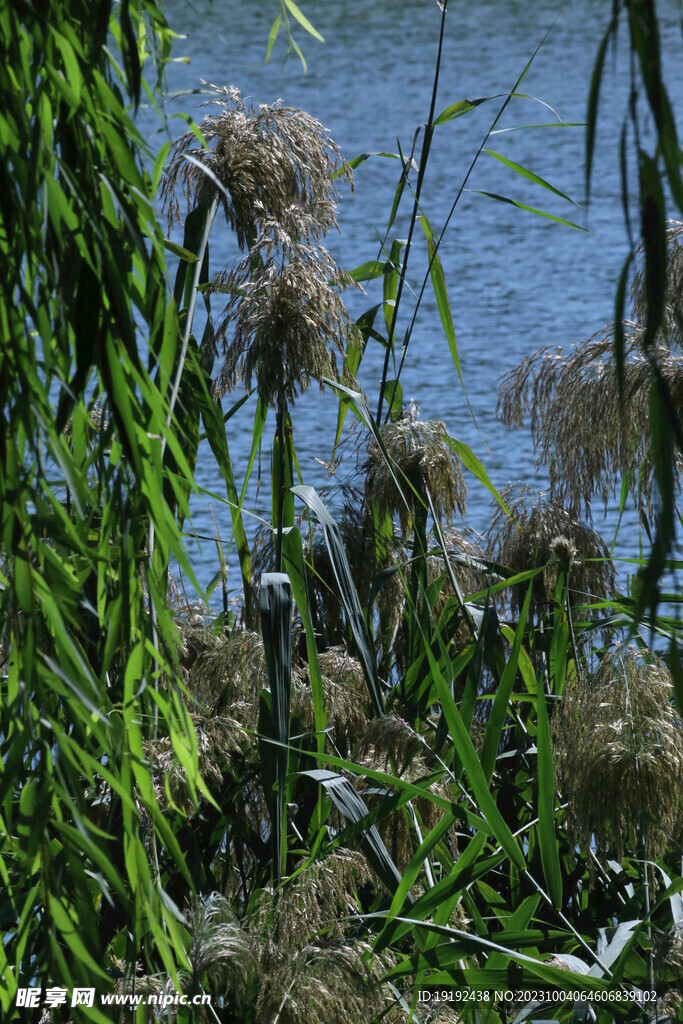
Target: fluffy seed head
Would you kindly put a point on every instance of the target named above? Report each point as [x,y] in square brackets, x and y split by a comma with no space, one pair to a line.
[586,433]
[333,982]
[620,746]
[271,162]
[284,320]
[581,431]
[541,531]
[421,460]
[391,746]
[219,949]
[673,303]
[346,695]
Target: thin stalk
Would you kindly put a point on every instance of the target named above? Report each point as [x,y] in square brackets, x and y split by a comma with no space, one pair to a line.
[284,999]
[642,850]
[429,877]
[210,217]
[463,185]
[280,433]
[570,622]
[605,877]
[224,571]
[467,615]
[429,131]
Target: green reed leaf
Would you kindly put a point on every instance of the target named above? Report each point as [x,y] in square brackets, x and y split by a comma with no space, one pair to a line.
[347,591]
[546,804]
[526,173]
[276,625]
[456,110]
[530,209]
[501,700]
[303,20]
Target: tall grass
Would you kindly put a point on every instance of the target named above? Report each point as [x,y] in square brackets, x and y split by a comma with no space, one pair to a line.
[409,760]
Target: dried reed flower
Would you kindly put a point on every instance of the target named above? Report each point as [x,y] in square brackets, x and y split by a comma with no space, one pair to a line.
[219,739]
[337,983]
[97,425]
[391,746]
[346,696]
[294,951]
[131,980]
[228,676]
[581,430]
[540,531]
[420,455]
[669,953]
[273,162]
[220,951]
[620,746]
[673,302]
[286,318]
[271,168]
[315,902]
[225,676]
[669,1007]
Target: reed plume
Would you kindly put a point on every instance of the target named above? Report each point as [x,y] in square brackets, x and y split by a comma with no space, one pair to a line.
[269,162]
[541,532]
[392,746]
[586,433]
[420,460]
[284,320]
[620,747]
[220,952]
[271,168]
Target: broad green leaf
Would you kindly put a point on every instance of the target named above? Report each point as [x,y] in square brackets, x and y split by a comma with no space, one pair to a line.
[392,271]
[367,271]
[416,865]
[276,625]
[356,161]
[347,592]
[460,944]
[455,110]
[353,808]
[518,921]
[466,869]
[594,98]
[501,701]
[217,437]
[440,294]
[546,804]
[71,933]
[394,397]
[473,768]
[293,564]
[355,348]
[275,28]
[476,467]
[178,250]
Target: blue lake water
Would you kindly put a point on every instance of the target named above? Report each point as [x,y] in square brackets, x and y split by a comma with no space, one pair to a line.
[516,281]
